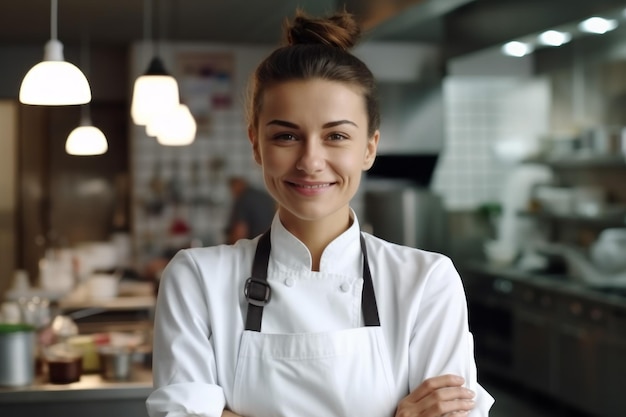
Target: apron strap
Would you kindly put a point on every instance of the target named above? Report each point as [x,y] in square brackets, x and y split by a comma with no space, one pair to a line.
[368,297]
[258,292]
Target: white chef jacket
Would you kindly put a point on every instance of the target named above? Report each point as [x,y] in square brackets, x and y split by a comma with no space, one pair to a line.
[201,310]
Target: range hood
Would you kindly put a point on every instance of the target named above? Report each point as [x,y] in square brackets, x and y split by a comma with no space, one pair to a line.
[464,26]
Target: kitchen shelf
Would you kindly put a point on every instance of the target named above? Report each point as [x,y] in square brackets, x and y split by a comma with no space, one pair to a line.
[595,221]
[583,161]
[116,303]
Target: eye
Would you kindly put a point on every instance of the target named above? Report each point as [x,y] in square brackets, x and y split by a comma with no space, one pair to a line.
[337,136]
[286,136]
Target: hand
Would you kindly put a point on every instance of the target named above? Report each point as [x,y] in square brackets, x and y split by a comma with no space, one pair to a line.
[436,397]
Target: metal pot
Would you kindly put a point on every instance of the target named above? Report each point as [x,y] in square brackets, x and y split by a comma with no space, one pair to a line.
[116,362]
[17,355]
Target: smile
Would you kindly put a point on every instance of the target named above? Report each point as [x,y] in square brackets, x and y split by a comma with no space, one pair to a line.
[311,187]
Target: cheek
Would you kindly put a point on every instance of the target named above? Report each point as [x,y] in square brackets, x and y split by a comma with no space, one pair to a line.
[275,161]
[350,162]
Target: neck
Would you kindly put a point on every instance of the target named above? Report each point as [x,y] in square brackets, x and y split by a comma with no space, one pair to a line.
[316,235]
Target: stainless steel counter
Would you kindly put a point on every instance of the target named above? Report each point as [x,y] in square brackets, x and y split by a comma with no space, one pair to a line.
[561,283]
[91,396]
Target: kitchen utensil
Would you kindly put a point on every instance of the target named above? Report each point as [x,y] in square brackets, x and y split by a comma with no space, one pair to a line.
[608,252]
[103,286]
[115,362]
[17,355]
[555,200]
[500,252]
[64,327]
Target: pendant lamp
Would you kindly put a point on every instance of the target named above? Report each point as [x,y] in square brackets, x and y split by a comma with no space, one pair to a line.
[54,81]
[176,128]
[156,91]
[86,139]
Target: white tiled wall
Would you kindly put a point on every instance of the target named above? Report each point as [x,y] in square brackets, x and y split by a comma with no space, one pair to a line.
[478,112]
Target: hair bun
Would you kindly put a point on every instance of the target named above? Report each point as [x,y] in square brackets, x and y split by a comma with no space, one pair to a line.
[339,30]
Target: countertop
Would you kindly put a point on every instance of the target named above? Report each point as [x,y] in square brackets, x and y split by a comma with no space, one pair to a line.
[90,387]
[562,283]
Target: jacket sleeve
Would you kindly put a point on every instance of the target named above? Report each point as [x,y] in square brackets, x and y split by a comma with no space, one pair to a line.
[441,342]
[184,367]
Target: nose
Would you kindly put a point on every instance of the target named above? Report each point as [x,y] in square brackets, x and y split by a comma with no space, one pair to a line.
[312,157]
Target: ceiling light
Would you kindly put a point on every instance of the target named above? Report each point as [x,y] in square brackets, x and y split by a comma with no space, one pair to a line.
[54,81]
[177,128]
[517,49]
[597,25]
[86,139]
[554,38]
[156,91]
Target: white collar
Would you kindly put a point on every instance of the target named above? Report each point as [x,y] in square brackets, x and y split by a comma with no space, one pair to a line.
[342,256]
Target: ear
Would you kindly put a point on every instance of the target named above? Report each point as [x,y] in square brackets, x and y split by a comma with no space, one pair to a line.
[254,140]
[370,151]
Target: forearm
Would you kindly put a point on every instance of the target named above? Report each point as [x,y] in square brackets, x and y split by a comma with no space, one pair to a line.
[227,413]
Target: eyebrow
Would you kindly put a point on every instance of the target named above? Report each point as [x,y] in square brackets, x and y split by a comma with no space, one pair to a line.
[295,126]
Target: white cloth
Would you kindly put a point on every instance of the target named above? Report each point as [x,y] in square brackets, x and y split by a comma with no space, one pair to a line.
[200,319]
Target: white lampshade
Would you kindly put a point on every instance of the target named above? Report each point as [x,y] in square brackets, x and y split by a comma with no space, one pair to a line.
[154,92]
[177,128]
[86,140]
[54,82]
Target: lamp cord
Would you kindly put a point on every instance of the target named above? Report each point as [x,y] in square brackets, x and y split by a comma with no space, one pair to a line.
[53,18]
[85,58]
[147,27]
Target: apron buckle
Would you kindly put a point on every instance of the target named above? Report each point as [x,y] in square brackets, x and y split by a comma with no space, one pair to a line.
[257,291]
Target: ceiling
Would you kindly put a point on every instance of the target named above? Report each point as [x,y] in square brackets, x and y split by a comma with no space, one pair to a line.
[458,26]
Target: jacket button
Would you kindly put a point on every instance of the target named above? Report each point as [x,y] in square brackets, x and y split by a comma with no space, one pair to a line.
[345,287]
[289,282]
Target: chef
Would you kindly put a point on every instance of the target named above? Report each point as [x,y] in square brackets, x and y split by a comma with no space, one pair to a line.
[314,317]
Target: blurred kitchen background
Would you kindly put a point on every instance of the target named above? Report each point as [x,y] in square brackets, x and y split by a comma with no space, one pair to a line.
[503,145]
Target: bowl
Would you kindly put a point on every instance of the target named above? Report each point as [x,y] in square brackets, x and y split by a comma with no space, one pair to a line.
[500,253]
[103,286]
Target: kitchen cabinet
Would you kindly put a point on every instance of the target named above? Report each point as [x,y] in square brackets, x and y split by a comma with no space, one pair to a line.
[533,340]
[581,334]
[491,322]
[552,336]
[612,382]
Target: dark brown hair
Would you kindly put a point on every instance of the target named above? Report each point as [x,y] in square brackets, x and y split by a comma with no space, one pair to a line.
[316,48]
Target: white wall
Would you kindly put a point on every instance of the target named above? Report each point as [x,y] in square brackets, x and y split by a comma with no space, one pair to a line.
[488,97]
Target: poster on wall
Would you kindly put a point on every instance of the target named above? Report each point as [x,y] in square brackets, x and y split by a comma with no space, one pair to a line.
[206,84]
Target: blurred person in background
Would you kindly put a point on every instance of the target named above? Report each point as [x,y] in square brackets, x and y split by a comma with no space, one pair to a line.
[251,213]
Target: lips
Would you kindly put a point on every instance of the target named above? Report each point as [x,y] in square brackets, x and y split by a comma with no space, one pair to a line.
[310,189]
[311,186]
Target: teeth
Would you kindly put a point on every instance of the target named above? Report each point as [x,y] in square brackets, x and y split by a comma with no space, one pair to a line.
[314,186]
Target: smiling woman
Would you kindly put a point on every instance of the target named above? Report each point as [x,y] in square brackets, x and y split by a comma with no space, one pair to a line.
[325,304]
[313,145]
